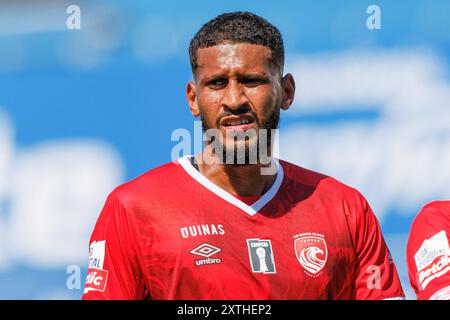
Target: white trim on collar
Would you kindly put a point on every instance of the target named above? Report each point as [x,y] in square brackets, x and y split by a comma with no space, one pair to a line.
[251,210]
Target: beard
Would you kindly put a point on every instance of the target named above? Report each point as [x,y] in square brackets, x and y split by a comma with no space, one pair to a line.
[244,150]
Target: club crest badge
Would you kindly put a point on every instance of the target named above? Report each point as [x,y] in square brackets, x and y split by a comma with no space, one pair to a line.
[311,251]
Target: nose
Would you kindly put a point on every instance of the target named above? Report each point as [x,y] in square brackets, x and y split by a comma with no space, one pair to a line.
[234,98]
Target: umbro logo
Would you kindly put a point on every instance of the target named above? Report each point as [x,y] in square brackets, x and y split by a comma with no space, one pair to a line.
[206,250]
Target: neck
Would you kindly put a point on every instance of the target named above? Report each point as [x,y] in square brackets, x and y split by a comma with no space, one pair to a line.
[242,180]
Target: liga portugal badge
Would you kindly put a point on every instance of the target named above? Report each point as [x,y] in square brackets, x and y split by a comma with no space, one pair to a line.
[311,251]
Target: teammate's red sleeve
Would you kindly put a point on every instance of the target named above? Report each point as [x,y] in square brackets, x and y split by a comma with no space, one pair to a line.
[428,253]
[114,271]
[376,274]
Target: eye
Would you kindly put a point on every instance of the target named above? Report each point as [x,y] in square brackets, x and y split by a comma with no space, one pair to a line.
[253,82]
[217,83]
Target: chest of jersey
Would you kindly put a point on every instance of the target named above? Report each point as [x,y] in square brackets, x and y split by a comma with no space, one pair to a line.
[221,252]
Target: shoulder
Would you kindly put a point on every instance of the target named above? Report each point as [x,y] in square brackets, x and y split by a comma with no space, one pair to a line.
[151,184]
[432,220]
[435,208]
[320,182]
[433,217]
[344,205]
[433,213]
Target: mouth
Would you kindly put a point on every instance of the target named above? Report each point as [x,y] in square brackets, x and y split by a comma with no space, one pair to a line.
[237,123]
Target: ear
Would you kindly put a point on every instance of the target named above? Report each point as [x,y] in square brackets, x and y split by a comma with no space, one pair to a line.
[192,99]
[288,87]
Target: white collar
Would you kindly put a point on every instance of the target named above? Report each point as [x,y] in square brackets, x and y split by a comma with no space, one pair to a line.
[249,209]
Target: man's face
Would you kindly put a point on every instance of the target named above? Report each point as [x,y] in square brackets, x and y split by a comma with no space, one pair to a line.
[237,89]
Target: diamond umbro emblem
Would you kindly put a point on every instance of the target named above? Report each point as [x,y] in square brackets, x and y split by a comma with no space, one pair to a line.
[205,250]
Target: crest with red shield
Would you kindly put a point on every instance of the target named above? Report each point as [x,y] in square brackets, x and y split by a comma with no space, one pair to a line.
[311,252]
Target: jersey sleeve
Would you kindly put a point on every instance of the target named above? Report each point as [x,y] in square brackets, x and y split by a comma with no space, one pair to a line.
[376,276]
[114,271]
[428,255]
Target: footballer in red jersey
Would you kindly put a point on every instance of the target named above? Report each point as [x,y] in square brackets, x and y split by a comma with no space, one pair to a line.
[201,229]
[428,252]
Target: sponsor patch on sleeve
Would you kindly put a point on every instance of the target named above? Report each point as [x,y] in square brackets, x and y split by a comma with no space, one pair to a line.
[432,259]
[96,276]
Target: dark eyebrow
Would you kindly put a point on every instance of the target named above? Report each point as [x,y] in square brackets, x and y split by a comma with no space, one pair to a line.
[262,76]
[214,77]
[247,75]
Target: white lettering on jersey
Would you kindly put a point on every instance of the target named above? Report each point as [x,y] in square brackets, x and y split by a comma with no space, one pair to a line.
[202,230]
[433,258]
[97,276]
[97,254]
[438,269]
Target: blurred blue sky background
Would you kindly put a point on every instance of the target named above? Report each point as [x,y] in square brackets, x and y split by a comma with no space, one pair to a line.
[82,111]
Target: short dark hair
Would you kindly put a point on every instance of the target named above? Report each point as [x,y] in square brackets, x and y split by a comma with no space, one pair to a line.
[240,27]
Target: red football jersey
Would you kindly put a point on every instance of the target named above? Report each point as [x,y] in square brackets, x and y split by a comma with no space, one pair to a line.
[428,252]
[173,234]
